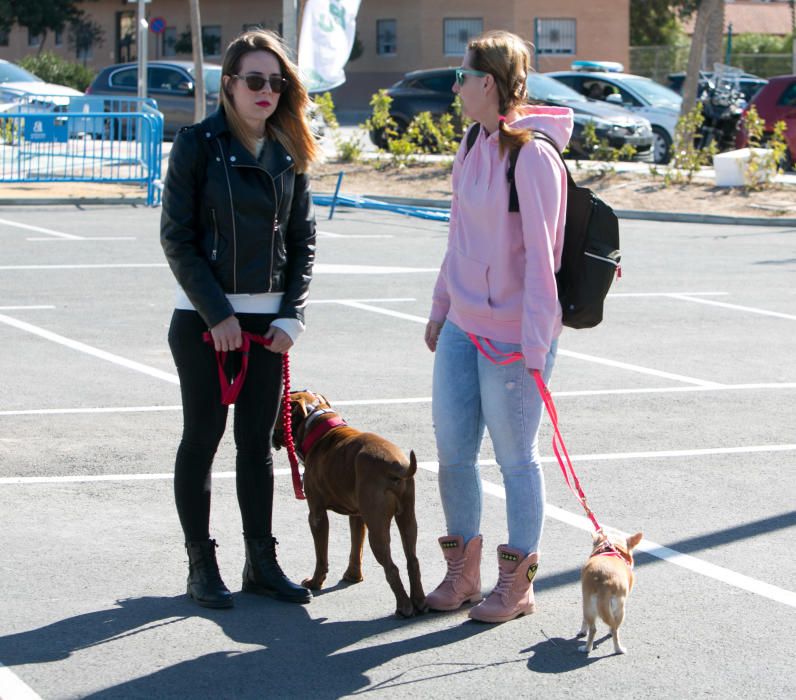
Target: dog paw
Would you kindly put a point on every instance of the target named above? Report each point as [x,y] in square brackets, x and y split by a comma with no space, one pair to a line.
[353,577]
[420,606]
[406,610]
[312,584]
[584,648]
[620,650]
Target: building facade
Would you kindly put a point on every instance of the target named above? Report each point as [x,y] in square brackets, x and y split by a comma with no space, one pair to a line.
[393,37]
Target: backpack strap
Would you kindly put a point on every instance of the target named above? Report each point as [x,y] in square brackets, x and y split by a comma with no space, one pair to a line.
[544,137]
[514,200]
[472,135]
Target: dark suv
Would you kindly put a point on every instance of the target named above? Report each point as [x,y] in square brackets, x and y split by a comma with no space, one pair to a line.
[169,83]
[431,91]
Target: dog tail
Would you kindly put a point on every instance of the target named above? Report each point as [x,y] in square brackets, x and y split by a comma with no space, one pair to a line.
[412,465]
[612,610]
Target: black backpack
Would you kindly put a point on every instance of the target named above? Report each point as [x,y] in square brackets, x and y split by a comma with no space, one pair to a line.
[591,255]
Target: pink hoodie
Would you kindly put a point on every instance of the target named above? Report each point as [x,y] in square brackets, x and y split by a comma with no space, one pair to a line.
[497,279]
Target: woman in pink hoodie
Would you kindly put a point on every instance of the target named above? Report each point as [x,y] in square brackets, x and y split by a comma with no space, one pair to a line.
[497,282]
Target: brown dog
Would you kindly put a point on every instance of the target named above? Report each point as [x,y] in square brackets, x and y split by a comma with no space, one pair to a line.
[606,581]
[360,475]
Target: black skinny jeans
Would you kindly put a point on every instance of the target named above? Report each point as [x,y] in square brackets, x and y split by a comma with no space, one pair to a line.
[204,420]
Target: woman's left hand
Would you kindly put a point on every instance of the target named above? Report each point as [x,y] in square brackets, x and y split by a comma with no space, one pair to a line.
[280,341]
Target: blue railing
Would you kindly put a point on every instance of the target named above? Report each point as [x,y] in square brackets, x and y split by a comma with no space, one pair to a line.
[96,138]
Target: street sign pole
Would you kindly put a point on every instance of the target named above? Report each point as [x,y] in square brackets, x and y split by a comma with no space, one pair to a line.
[142,49]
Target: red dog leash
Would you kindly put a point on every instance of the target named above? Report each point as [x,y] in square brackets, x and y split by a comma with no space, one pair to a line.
[506,358]
[230,390]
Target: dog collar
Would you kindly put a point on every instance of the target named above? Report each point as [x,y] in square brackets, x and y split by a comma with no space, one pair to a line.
[322,427]
[606,549]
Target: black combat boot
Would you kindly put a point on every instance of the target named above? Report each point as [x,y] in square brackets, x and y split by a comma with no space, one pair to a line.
[204,581]
[263,575]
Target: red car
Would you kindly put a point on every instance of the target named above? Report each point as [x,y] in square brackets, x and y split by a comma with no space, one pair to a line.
[777,102]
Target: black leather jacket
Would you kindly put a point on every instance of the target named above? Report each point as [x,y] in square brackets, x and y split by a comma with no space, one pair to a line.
[233,225]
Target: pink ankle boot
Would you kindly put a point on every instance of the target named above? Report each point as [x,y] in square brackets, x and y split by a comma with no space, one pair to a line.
[513,594]
[462,583]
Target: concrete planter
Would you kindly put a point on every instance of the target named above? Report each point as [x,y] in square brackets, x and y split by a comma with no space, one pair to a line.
[731,167]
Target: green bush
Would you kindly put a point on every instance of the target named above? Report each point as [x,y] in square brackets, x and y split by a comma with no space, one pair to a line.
[54,69]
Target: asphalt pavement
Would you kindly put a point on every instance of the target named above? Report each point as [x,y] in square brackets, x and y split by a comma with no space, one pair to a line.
[677,410]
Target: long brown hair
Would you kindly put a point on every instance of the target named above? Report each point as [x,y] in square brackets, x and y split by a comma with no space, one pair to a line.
[288,124]
[507,58]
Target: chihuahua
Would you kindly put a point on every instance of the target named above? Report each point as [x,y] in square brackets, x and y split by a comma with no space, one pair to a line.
[606,581]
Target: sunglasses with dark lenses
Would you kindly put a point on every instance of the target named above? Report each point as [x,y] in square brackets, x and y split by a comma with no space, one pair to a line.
[462,73]
[256,82]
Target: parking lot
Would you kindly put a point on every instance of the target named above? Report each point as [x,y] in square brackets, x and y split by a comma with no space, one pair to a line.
[678,412]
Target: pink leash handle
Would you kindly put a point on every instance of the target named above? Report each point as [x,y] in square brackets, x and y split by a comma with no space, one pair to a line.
[230,390]
[507,358]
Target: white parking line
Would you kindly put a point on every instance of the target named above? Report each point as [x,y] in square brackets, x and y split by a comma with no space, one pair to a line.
[329,234]
[87,238]
[84,266]
[565,353]
[27,227]
[89,350]
[12,687]
[417,399]
[734,307]
[24,308]
[698,566]
[321,268]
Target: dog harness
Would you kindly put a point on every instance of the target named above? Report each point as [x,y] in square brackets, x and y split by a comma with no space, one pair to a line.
[606,549]
[324,425]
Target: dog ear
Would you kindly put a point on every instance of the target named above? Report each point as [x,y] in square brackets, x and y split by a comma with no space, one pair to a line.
[632,542]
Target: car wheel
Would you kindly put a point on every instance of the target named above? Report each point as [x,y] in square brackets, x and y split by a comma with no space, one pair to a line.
[788,163]
[661,145]
[378,138]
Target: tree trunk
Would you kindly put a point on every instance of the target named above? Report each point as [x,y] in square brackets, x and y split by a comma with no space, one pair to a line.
[704,12]
[199,100]
[43,36]
[714,53]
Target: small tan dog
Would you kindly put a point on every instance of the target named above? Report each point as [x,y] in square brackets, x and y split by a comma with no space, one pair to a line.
[606,581]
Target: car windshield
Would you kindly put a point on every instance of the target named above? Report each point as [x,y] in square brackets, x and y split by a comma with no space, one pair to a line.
[654,93]
[9,73]
[212,79]
[546,89]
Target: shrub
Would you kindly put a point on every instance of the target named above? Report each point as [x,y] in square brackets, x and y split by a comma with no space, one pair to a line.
[687,157]
[762,168]
[54,69]
[348,150]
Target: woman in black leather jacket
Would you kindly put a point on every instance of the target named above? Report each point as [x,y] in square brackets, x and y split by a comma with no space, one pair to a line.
[238,230]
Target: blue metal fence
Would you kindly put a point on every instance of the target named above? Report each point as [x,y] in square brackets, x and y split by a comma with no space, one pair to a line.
[82,139]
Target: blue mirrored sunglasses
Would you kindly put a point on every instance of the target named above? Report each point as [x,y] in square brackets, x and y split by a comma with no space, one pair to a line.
[461,73]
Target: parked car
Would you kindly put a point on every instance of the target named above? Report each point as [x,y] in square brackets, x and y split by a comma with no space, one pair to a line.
[169,83]
[431,91]
[645,97]
[748,84]
[19,87]
[774,102]
[419,91]
[614,124]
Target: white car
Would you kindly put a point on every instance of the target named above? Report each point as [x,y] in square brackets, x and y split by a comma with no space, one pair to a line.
[645,97]
[19,87]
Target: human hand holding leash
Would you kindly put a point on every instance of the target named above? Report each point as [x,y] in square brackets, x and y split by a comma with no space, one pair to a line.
[226,335]
[280,341]
[433,329]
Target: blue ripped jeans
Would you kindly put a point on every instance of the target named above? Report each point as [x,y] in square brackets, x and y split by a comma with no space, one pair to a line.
[471,393]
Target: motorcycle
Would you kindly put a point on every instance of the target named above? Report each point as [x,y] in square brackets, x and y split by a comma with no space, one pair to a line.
[722,107]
